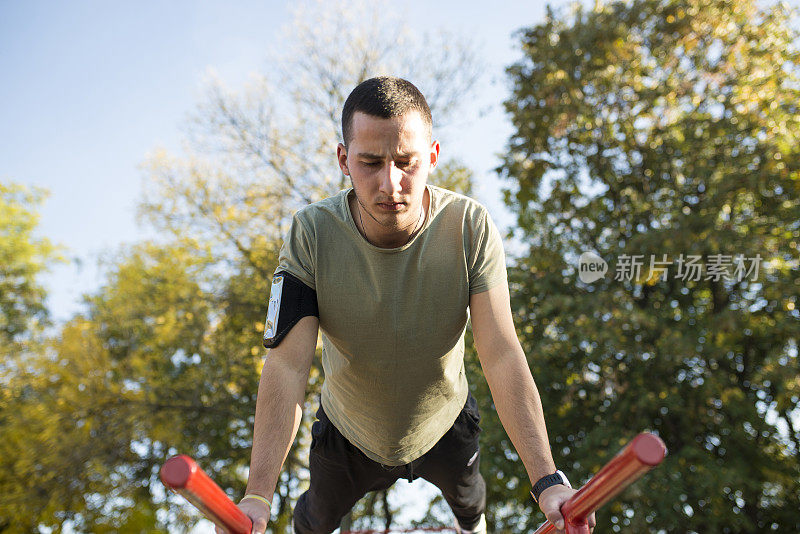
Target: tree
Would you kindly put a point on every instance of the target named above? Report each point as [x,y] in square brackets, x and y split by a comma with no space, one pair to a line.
[23,257]
[87,421]
[69,430]
[23,315]
[663,128]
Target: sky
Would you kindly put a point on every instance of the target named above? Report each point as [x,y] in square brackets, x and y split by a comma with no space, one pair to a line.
[91,87]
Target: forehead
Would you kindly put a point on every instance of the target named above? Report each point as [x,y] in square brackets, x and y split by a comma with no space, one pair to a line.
[408,130]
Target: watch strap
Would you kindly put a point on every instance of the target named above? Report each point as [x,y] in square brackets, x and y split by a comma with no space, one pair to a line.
[549,480]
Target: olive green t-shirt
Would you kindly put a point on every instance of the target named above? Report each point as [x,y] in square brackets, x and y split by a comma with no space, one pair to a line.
[392,321]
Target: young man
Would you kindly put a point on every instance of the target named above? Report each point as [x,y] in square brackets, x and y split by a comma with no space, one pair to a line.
[389,271]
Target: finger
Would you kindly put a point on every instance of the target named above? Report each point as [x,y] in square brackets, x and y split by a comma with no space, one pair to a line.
[259,526]
[555,517]
[591,521]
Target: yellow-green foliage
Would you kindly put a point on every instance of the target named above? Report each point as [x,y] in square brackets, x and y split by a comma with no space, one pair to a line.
[659,127]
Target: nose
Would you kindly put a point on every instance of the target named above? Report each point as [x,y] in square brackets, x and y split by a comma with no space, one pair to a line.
[390,179]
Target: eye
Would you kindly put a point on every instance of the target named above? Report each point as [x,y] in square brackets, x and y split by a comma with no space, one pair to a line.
[371,163]
[406,164]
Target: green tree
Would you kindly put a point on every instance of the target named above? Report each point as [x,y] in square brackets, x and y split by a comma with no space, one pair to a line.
[68,426]
[23,316]
[658,127]
[87,421]
[23,257]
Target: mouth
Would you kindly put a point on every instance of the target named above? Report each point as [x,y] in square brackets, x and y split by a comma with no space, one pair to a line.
[391,206]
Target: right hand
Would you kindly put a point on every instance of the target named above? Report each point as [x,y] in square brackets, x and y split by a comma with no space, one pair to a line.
[257,511]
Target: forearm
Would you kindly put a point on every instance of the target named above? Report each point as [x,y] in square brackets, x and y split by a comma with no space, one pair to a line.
[520,409]
[281,393]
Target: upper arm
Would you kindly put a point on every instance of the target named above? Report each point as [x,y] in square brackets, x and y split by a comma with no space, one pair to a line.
[298,251]
[486,261]
[492,324]
[296,351]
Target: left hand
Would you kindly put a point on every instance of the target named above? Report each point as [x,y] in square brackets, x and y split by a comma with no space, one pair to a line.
[551,500]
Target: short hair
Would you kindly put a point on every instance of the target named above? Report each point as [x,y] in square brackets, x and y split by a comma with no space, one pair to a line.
[384,97]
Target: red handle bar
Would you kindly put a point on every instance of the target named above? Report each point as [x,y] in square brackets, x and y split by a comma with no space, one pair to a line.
[643,453]
[182,475]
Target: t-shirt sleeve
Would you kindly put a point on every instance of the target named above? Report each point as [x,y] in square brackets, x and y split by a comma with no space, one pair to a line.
[487,260]
[297,253]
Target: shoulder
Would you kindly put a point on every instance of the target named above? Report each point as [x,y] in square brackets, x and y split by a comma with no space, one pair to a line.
[450,201]
[321,212]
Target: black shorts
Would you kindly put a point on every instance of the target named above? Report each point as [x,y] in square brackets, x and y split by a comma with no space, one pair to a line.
[341,474]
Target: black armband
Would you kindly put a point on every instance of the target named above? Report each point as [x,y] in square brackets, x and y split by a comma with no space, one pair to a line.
[289,301]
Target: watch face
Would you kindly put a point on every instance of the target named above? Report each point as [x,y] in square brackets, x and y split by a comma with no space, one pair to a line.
[564,479]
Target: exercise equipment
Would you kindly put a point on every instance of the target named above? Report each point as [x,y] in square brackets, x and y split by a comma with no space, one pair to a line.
[182,475]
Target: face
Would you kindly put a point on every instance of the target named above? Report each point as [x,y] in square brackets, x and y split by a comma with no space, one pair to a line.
[388,162]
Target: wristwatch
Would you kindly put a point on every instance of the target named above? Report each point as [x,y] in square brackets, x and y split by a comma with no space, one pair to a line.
[549,480]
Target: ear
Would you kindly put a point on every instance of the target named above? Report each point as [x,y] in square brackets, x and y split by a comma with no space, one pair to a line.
[434,154]
[341,157]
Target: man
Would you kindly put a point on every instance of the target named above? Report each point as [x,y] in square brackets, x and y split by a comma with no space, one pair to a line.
[389,271]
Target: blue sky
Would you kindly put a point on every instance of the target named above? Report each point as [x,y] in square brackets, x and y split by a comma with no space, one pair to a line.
[90,87]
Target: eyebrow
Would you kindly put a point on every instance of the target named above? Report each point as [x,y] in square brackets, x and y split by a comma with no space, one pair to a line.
[368,155]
